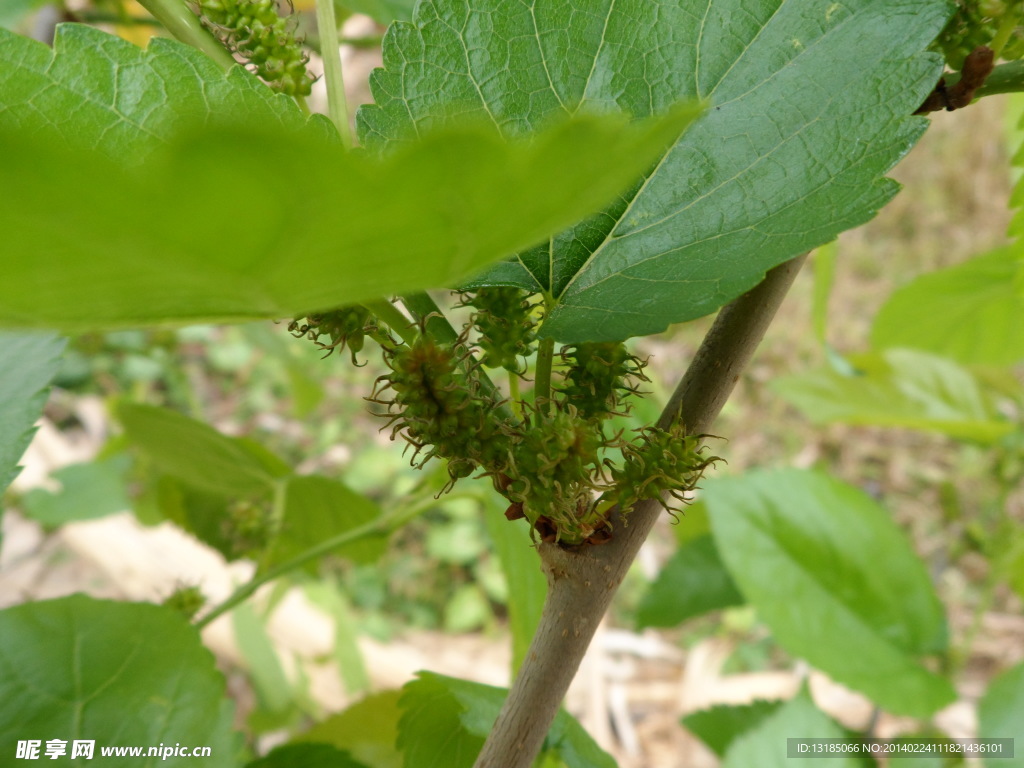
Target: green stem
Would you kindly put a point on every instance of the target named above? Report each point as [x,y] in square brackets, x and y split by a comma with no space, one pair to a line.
[1005,78]
[382,526]
[337,106]
[184,25]
[388,313]
[542,376]
[514,395]
[1006,27]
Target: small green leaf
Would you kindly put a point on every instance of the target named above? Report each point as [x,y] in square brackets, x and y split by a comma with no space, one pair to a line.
[719,726]
[467,609]
[836,581]
[1001,715]
[88,491]
[693,581]
[318,508]
[791,152]
[306,756]
[445,721]
[30,361]
[196,453]
[368,730]
[121,674]
[766,747]
[899,388]
[970,312]
[431,733]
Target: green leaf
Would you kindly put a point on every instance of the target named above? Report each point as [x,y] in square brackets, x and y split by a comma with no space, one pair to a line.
[719,726]
[692,582]
[811,105]
[95,90]
[835,580]
[259,218]
[1001,715]
[898,388]
[13,12]
[766,747]
[306,756]
[30,361]
[368,730]
[527,587]
[318,508]
[261,660]
[382,11]
[121,674]
[445,721]
[196,453]
[203,514]
[970,312]
[88,491]
[349,658]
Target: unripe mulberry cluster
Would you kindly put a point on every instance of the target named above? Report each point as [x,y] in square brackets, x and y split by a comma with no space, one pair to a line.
[504,325]
[253,30]
[976,23]
[662,463]
[599,376]
[345,327]
[550,457]
[440,408]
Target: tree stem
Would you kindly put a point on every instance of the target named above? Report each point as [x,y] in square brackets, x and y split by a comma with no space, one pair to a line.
[581,584]
[184,25]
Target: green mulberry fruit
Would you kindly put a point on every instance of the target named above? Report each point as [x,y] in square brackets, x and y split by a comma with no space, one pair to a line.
[976,23]
[662,463]
[554,474]
[503,319]
[599,376]
[345,327]
[440,409]
[253,30]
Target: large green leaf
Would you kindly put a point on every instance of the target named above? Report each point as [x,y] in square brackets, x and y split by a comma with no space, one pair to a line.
[835,580]
[899,388]
[368,730]
[693,581]
[811,105]
[30,360]
[118,674]
[1001,715]
[195,452]
[319,508]
[96,90]
[88,490]
[766,745]
[445,721]
[719,726]
[971,312]
[258,218]
[306,756]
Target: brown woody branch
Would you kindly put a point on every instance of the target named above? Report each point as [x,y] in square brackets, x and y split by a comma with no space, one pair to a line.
[977,67]
[581,583]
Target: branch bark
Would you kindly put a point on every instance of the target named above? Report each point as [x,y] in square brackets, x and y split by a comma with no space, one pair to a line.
[581,584]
